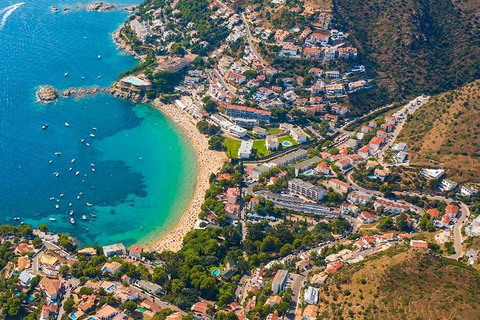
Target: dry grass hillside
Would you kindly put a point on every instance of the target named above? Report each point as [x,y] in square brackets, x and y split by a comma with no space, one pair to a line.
[446,132]
[415,46]
[403,283]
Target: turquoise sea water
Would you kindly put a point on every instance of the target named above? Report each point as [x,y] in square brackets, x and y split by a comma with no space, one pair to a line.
[145,168]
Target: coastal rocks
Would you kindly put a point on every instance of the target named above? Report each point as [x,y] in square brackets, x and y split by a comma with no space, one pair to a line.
[47,94]
[69,92]
[100,6]
[119,91]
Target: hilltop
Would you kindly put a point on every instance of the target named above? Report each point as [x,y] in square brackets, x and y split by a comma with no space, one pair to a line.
[445,132]
[403,283]
[414,46]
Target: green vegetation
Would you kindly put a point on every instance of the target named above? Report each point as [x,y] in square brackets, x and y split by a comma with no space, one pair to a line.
[232,147]
[413,46]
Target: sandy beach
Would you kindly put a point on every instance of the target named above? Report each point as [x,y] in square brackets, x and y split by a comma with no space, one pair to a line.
[208,161]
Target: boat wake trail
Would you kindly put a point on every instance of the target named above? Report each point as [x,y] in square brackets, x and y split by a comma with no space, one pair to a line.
[7,12]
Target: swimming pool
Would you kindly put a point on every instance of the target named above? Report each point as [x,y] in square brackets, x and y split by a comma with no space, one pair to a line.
[216,272]
[287,143]
[135,81]
[110,288]
[309,172]
[141,309]
[73,317]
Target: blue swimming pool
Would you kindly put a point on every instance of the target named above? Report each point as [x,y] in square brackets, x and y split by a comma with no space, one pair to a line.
[73,317]
[309,172]
[216,272]
[287,143]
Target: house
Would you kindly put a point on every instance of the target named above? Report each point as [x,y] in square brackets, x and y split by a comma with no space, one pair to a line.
[389,206]
[338,185]
[382,134]
[245,150]
[51,287]
[235,77]
[446,220]
[372,124]
[87,302]
[279,281]
[468,191]
[366,129]
[390,120]
[311,295]
[344,164]
[376,143]
[23,248]
[382,174]
[319,37]
[111,267]
[232,195]
[304,265]
[433,213]
[367,217]
[451,210]
[365,151]
[136,251]
[235,111]
[298,135]
[150,287]
[335,89]
[323,168]
[49,312]
[312,53]
[401,157]
[23,263]
[319,278]
[448,185]
[117,249]
[347,53]
[339,109]
[332,74]
[125,294]
[25,278]
[306,189]
[316,72]
[419,244]
[202,307]
[107,312]
[310,312]
[431,174]
[259,131]
[273,300]
[334,267]
[357,198]
[258,171]
[271,142]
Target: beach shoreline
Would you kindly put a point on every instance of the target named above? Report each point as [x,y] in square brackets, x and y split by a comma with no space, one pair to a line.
[208,161]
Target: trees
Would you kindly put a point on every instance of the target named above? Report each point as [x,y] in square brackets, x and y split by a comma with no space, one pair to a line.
[130,306]
[68,305]
[43,227]
[385,224]
[216,143]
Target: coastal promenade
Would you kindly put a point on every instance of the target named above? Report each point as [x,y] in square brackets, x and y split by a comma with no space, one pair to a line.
[209,161]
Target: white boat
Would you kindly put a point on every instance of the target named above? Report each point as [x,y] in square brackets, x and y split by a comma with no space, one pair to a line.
[84,217]
[58,153]
[92,164]
[94,128]
[67,124]
[70,204]
[72,221]
[80,193]
[70,169]
[56,174]
[66,74]
[52,219]
[71,212]
[89,204]
[73,160]
[88,144]
[93,169]
[82,141]
[52,198]
[77,173]
[92,135]
[61,195]
[50,161]
[16,218]
[57,206]
[99,57]
[93,215]
[45,126]
[78,197]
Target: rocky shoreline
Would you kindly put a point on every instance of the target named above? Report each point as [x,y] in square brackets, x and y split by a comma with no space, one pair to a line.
[47,94]
[100,7]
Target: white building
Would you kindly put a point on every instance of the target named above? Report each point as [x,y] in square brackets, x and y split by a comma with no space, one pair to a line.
[271,142]
[311,295]
[298,135]
[448,185]
[245,150]
[468,191]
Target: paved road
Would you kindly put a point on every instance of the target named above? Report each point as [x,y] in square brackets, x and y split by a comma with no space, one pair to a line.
[155,299]
[250,42]
[296,285]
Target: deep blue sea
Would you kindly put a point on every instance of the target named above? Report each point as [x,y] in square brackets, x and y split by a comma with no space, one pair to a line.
[145,168]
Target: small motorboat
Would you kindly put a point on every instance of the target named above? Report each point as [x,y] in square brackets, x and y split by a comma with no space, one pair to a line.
[73,160]
[58,153]
[92,164]
[45,126]
[16,218]
[57,206]
[56,174]
[84,217]
[89,204]
[93,215]
[61,195]
[66,74]
[50,161]
[92,135]
[99,57]
[70,169]
[93,169]
[78,197]
[54,9]
[71,212]
[70,204]
[67,124]
[72,221]
[52,219]
[82,141]
[52,198]
[66,9]
[88,144]
[77,173]
[94,128]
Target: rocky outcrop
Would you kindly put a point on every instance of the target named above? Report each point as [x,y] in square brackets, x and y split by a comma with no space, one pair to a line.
[100,6]
[47,94]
